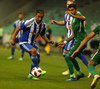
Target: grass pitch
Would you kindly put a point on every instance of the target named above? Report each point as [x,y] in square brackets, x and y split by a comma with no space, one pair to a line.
[13,73]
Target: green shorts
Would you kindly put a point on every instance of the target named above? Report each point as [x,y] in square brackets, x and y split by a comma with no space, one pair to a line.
[96,57]
[75,46]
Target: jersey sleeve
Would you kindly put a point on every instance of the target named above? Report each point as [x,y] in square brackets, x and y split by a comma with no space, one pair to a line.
[97,30]
[14,25]
[23,27]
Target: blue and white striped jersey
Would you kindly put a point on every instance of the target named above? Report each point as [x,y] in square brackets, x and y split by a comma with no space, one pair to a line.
[31,30]
[68,19]
[16,24]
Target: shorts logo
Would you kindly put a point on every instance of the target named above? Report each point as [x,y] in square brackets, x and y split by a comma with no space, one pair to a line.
[34,33]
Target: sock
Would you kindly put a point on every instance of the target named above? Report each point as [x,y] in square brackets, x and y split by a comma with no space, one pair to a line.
[35,62]
[32,66]
[70,65]
[76,65]
[92,70]
[12,51]
[22,53]
[83,59]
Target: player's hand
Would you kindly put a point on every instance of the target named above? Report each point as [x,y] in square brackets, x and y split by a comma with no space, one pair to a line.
[10,37]
[68,12]
[60,46]
[50,41]
[12,42]
[53,21]
[74,53]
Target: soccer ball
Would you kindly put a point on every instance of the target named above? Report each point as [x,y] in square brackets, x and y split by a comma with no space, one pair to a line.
[36,72]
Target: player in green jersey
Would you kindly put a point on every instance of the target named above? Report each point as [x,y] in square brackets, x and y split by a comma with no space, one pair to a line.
[79,34]
[95,60]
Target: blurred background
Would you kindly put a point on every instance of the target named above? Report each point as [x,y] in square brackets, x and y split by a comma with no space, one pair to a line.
[54,9]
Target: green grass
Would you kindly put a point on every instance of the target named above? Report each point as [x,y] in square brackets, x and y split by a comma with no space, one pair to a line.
[13,73]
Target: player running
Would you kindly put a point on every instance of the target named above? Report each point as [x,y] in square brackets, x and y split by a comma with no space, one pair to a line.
[95,60]
[17,23]
[67,21]
[31,29]
[79,34]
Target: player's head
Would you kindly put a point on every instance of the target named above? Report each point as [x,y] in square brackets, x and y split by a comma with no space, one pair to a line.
[20,16]
[72,8]
[39,15]
[70,2]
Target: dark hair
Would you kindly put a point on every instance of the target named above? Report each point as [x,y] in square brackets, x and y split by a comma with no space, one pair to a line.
[40,11]
[72,5]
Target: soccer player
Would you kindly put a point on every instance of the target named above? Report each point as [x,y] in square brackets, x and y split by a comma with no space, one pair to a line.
[95,60]
[78,32]
[17,23]
[31,29]
[67,21]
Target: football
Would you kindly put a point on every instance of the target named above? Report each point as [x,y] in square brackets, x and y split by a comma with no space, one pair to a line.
[36,72]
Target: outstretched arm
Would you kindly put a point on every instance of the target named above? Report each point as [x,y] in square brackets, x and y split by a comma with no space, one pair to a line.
[58,22]
[83,43]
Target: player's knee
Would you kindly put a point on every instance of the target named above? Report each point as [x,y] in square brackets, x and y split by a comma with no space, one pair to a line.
[33,52]
[91,62]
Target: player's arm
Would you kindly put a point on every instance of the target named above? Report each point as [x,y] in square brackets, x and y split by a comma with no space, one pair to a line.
[14,36]
[92,34]
[45,38]
[71,37]
[12,32]
[58,22]
[76,16]
[61,45]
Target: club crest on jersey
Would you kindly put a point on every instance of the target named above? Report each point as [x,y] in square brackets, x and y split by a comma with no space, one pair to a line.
[34,33]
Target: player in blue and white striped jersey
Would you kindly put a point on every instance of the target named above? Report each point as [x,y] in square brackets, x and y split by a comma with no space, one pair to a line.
[31,29]
[17,23]
[67,21]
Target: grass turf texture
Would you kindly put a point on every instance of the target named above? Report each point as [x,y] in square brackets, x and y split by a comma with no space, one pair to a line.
[13,73]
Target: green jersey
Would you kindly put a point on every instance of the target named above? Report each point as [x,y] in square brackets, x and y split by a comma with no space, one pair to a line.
[79,29]
[97,31]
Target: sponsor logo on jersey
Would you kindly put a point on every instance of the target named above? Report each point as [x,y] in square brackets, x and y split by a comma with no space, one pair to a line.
[67,20]
[34,33]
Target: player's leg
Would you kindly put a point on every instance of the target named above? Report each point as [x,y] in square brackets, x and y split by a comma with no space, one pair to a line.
[13,50]
[67,71]
[38,55]
[84,60]
[33,55]
[74,62]
[91,67]
[70,67]
[12,53]
[67,47]
[22,54]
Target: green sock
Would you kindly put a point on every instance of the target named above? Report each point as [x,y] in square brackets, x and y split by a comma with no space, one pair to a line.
[70,65]
[92,70]
[75,63]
